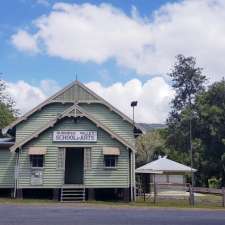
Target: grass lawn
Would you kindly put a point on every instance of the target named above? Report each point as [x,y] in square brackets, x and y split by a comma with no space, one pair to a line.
[26,201]
[206,202]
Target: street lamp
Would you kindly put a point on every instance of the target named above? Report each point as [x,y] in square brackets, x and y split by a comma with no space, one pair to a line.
[133,104]
[133,189]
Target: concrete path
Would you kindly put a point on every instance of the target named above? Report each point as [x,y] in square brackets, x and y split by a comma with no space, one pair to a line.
[80,215]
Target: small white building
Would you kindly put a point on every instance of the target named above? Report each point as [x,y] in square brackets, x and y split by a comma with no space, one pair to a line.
[163,171]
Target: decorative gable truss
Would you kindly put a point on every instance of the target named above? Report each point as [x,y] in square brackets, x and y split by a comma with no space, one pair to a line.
[73,111]
[76,93]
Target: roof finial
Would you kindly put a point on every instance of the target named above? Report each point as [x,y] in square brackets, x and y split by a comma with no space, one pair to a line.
[76,76]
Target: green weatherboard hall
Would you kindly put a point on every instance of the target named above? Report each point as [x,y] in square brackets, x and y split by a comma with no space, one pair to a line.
[73,146]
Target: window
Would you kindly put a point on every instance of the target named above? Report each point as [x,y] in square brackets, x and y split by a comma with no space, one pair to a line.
[37,160]
[110,161]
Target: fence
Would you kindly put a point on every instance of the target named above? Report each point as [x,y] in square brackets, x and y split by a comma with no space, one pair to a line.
[195,196]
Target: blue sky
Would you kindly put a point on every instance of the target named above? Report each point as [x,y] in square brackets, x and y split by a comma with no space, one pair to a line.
[122,50]
[16,65]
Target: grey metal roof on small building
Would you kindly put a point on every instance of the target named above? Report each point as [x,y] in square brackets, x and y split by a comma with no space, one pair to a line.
[162,164]
[6,142]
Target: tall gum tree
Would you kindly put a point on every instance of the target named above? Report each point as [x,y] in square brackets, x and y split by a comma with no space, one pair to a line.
[188,81]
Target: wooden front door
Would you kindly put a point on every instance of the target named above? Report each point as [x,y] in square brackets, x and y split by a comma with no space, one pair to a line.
[74,166]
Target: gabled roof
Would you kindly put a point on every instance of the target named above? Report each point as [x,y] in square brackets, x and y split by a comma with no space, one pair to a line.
[164,165]
[76,92]
[73,111]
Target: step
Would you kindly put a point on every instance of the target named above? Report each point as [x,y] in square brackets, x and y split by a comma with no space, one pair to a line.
[72,194]
[72,199]
[67,197]
[77,201]
[68,191]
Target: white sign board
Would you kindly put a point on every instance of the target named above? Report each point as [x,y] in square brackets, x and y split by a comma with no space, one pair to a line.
[75,136]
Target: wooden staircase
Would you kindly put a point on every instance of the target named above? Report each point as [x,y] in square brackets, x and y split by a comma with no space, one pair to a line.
[72,193]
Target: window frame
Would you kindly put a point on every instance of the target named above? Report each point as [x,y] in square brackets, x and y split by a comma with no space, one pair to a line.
[34,161]
[111,157]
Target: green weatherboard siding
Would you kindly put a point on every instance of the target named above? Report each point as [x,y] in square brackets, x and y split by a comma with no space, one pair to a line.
[95,177]
[38,119]
[111,120]
[7,168]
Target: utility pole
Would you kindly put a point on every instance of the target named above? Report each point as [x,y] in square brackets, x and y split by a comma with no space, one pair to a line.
[191,156]
[191,146]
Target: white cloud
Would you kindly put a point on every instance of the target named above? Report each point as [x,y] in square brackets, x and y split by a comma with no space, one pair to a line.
[49,86]
[97,33]
[25,41]
[43,2]
[28,96]
[153,96]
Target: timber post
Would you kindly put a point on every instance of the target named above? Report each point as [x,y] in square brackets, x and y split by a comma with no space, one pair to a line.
[223,196]
[191,195]
[155,192]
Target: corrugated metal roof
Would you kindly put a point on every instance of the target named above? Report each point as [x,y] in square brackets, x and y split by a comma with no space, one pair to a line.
[164,165]
[6,139]
[6,142]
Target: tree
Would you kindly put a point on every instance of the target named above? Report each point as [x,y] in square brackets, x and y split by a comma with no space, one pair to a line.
[188,82]
[150,146]
[210,113]
[8,112]
[208,136]
[223,166]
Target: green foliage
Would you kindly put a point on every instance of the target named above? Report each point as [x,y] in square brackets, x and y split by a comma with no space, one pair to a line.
[214,182]
[6,117]
[187,81]
[8,112]
[205,107]
[150,146]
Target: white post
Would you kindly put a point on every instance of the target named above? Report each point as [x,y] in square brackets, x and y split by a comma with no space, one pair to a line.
[131,176]
[16,174]
[134,177]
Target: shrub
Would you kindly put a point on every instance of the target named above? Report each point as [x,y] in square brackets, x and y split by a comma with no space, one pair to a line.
[214,182]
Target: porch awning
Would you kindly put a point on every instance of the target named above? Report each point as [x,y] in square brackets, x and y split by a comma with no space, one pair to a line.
[111,151]
[37,151]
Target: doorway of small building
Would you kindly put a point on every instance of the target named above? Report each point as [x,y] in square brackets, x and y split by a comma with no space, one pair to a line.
[74,166]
